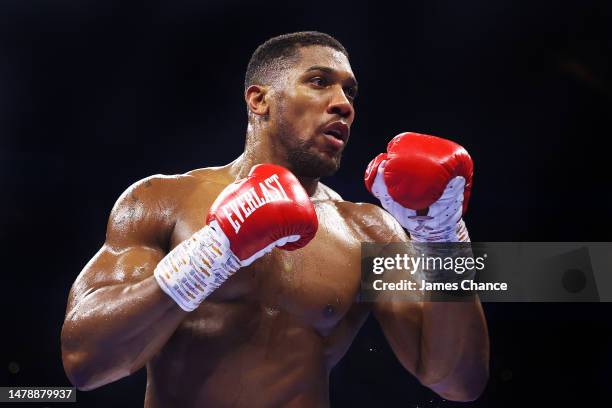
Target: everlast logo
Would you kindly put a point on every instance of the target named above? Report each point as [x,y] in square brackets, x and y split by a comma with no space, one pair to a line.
[246,203]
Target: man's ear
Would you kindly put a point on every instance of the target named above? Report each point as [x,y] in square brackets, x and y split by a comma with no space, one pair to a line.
[256,97]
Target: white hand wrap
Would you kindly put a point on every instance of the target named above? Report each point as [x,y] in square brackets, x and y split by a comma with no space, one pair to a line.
[196,267]
[200,264]
[443,222]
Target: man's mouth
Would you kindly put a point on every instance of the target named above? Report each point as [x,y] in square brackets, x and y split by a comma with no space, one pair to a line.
[335,134]
[334,141]
[337,130]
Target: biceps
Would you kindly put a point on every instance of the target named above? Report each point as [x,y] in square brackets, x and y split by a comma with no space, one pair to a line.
[110,267]
[401,324]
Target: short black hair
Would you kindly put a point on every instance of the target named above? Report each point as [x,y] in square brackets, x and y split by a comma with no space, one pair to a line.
[275,54]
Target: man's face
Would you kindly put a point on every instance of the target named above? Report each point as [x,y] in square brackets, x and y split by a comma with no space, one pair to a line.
[312,111]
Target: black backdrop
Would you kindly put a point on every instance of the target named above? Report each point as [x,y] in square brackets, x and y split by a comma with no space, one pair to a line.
[95,95]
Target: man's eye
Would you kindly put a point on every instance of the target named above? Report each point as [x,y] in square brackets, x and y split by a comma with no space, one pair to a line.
[350,92]
[318,81]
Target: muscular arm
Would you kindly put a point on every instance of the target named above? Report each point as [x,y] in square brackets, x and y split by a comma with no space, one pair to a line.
[117,316]
[444,344]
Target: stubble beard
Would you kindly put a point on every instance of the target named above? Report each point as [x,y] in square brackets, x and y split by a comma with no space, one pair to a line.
[303,158]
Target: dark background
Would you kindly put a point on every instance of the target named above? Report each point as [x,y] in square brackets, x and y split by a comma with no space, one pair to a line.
[96,95]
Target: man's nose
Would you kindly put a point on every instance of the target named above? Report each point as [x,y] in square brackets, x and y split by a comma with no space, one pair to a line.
[340,105]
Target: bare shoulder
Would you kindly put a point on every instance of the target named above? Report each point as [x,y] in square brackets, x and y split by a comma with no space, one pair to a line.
[210,175]
[145,213]
[373,222]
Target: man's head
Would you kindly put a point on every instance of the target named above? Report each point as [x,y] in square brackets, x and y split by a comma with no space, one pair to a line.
[299,90]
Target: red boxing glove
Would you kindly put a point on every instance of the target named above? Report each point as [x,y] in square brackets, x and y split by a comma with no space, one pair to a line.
[269,208]
[427,174]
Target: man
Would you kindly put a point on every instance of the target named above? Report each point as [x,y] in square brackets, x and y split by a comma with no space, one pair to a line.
[218,317]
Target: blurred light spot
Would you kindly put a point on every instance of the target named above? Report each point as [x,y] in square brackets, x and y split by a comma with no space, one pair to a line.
[13,367]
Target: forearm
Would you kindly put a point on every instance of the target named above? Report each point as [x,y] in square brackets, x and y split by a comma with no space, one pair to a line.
[115,330]
[454,349]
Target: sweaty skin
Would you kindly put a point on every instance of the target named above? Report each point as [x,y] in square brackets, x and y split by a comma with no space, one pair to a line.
[271,333]
[268,336]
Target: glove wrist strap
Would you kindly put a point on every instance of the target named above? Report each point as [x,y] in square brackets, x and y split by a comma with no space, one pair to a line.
[452,233]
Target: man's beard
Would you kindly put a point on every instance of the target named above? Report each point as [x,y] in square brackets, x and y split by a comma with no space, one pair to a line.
[307,163]
[303,159]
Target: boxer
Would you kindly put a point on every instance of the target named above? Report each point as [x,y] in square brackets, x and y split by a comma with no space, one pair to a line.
[237,285]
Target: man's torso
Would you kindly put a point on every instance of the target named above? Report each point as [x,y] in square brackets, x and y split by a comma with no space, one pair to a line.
[272,332]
